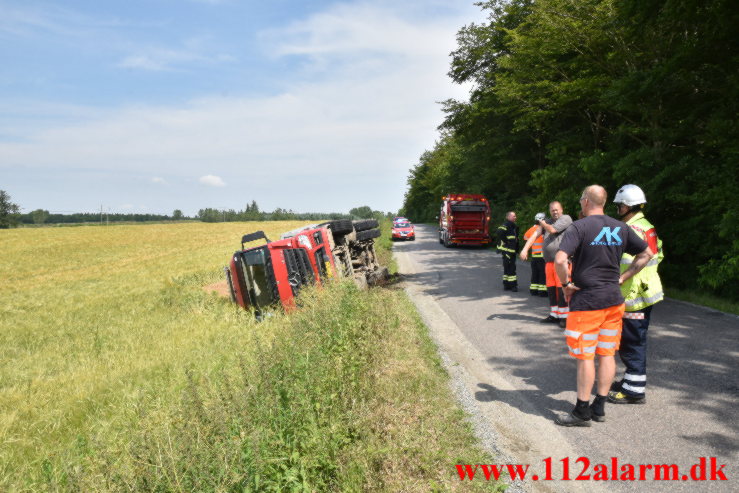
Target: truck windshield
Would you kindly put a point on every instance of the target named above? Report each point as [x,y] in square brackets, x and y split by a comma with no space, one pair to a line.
[260,277]
[468,202]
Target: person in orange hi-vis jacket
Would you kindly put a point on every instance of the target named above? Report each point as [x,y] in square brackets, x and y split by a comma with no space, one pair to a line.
[538,285]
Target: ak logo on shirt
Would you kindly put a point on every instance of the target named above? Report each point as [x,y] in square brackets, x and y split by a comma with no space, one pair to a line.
[608,237]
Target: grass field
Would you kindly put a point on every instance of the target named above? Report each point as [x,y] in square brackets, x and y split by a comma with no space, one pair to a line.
[119,372]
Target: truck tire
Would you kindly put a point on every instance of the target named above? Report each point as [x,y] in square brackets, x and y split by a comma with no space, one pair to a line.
[365,224]
[340,226]
[446,241]
[368,235]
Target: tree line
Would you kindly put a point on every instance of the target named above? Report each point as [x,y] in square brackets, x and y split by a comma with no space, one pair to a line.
[568,93]
[10,215]
[252,213]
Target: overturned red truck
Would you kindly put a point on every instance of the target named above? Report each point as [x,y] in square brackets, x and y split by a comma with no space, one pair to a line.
[464,220]
[272,274]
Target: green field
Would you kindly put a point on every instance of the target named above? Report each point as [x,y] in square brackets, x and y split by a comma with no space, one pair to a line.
[120,372]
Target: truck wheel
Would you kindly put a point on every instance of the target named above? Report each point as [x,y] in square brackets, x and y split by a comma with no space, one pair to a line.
[365,224]
[368,235]
[340,226]
[441,239]
[447,243]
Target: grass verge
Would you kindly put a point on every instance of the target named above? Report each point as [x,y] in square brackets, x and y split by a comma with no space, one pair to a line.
[704,299]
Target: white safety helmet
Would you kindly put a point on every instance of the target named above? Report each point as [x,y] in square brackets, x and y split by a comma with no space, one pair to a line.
[539,216]
[630,195]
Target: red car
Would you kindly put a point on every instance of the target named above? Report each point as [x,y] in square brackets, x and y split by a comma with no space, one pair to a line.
[403,230]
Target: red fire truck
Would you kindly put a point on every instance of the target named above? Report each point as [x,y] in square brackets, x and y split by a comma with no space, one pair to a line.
[464,220]
[273,273]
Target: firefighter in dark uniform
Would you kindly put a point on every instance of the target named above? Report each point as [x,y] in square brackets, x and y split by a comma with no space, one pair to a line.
[508,246]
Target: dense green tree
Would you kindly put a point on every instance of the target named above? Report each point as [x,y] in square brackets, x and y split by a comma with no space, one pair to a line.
[177,215]
[40,216]
[363,212]
[9,211]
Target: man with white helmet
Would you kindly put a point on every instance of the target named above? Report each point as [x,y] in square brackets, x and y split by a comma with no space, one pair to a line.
[640,292]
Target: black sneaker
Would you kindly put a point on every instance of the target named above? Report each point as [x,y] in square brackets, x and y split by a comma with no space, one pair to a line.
[563,322]
[514,289]
[549,320]
[621,398]
[572,420]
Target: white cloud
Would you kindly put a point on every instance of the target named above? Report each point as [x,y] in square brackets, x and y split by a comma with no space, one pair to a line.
[158,180]
[212,181]
[193,50]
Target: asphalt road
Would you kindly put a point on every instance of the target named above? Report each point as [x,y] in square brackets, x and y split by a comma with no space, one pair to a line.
[519,377]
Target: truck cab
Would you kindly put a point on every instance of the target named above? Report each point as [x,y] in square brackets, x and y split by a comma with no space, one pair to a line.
[273,274]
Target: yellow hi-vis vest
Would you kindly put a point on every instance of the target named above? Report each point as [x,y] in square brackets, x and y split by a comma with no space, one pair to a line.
[645,288]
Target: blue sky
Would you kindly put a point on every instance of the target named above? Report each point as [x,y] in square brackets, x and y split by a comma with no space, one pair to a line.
[156,105]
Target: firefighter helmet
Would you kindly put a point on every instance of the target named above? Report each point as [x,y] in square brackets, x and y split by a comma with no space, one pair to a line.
[539,216]
[630,195]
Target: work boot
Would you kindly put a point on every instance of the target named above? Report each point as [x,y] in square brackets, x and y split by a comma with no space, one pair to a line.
[514,289]
[506,287]
[572,420]
[563,322]
[549,320]
[621,398]
[544,294]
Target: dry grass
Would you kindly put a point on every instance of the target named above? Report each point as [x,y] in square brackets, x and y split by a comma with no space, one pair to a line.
[92,327]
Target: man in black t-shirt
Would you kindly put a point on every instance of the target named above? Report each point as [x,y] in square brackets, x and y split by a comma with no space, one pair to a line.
[597,243]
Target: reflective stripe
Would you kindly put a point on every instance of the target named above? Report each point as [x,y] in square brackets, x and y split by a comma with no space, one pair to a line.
[606,345]
[510,237]
[634,315]
[648,301]
[588,349]
[564,309]
[635,378]
[636,390]
[628,261]
[608,332]
[575,350]
[590,337]
[506,249]
[572,333]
